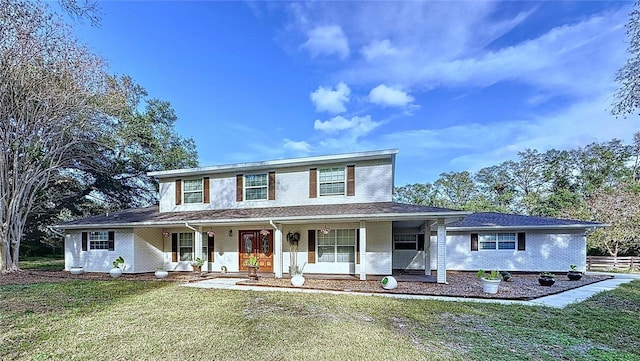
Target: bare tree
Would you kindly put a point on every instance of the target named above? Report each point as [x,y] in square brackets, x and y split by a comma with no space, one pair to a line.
[627,98]
[51,93]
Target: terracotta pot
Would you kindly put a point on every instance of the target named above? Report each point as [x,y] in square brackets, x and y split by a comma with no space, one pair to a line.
[252,272]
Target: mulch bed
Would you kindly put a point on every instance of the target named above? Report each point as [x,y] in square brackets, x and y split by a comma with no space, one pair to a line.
[460,284]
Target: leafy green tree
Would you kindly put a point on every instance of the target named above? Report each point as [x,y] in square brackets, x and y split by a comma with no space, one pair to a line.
[418,193]
[456,190]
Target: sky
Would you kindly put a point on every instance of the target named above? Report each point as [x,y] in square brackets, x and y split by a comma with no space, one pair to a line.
[453,85]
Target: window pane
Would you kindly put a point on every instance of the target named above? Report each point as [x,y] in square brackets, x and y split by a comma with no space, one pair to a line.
[331,174]
[346,237]
[331,188]
[99,236]
[506,236]
[186,253]
[326,254]
[256,193]
[327,239]
[487,237]
[192,185]
[487,245]
[256,180]
[345,254]
[506,245]
[193,197]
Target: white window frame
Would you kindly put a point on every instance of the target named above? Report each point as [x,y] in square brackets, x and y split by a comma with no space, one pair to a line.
[338,179]
[185,199]
[248,187]
[98,241]
[335,234]
[500,241]
[186,236]
[405,238]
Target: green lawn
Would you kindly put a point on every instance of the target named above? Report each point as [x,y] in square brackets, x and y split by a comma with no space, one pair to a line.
[132,320]
[53,263]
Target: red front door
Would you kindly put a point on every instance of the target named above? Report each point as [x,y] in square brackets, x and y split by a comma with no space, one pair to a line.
[252,243]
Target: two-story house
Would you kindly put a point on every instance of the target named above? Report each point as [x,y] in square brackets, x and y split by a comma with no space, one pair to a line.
[335,213]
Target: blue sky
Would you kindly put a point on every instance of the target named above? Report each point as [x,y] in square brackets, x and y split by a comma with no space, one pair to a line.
[454,85]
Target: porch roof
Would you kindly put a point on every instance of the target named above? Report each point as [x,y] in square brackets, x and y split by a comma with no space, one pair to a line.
[151,217]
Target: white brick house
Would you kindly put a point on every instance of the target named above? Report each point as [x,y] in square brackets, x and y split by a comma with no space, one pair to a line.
[337,209]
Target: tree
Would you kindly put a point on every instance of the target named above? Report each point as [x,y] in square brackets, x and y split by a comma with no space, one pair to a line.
[456,190]
[627,98]
[419,193]
[51,96]
[620,208]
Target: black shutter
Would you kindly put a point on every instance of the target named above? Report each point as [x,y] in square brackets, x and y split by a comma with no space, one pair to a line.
[174,247]
[521,241]
[421,241]
[210,247]
[474,241]
[311,253]
[85,242]
[112,240]
[357,246]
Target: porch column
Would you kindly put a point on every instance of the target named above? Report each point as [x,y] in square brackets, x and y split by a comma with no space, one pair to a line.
[198,245]
[441,271]
[277,252]
[363,251]
[427,248]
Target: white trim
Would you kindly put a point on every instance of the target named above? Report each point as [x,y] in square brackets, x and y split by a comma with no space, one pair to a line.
[292,162]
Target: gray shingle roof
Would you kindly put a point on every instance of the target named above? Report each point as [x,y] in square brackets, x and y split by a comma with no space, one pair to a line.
[503,220]
[151,216]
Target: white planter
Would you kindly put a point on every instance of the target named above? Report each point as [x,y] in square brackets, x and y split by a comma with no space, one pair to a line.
[389,283]
[297,280]
[161,274]
[76,270]
[115,272]
[490,286]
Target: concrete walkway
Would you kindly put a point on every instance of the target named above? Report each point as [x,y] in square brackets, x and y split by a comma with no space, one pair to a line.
[559,300]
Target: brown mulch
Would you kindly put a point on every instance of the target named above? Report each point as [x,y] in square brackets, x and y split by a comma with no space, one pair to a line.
[460,284]
[524,286]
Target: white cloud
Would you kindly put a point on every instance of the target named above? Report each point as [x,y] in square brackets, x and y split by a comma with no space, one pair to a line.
[301,146]
[378,48]
[388,96]
[327,40]
[356,126]
[329,100]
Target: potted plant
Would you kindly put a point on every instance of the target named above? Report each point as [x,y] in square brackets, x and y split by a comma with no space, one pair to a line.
[574,274]
[76,270]
[546,279]
[161,273]
[297,279]
[252,267]
[490,281]
[197,265]
[118,267]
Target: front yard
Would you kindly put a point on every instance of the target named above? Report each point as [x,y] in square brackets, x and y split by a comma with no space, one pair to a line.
[149,320]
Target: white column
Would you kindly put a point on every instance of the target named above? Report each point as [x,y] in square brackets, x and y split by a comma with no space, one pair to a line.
[427,249]
[363,251]
[198,246]
[277,252]
[441,272]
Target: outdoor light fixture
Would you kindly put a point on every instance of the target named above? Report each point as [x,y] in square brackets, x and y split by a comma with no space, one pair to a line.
[231,233]
[265,232]
[165,233]
[325,230]
[211,233]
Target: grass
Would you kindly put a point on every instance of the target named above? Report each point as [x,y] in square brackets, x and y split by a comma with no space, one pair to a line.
[160,320]
[53,263]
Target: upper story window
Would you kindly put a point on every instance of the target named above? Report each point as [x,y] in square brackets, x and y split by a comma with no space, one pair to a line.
[99,240]
[256,186]
[331,181]
[192,191]
[492,241]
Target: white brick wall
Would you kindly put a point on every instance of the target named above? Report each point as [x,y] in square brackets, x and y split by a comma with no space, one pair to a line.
[148,250]
[545,251]
[99,260]
[374,183]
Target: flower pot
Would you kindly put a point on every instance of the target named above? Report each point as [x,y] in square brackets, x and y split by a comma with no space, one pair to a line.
[546,281]
[197,269]
[76,270]
[389,283]
[574,276]
[297,280]
[252,272]
[161,274]
[490,286]
[115,272]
